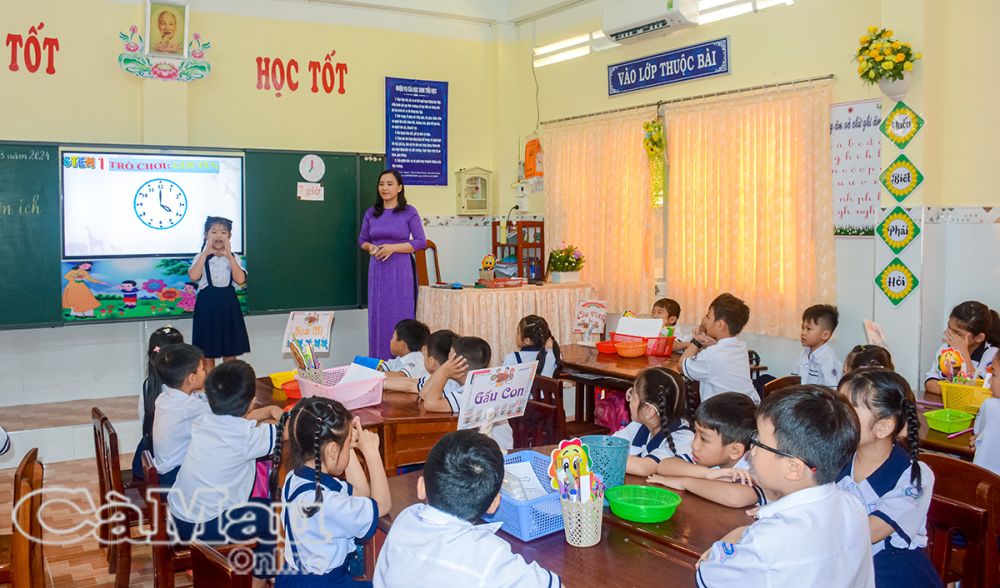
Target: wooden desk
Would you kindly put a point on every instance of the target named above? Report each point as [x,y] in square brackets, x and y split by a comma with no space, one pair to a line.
[406,429]
[622,558]
[937,441]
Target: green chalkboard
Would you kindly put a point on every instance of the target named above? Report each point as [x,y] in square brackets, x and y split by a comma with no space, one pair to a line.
[301,254]
[29,235]
[369,169]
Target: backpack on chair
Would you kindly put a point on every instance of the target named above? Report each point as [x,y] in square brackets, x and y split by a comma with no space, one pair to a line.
[610,409]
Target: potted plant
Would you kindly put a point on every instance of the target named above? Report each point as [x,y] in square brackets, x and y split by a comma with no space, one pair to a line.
[564,265]
[886,61]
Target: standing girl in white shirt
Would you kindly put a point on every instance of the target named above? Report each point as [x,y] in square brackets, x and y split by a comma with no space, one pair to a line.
[890,482]
[535,341]
[329,505]
[219,329]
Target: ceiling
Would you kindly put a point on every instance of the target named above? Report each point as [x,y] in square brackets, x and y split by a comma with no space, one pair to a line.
[479,11]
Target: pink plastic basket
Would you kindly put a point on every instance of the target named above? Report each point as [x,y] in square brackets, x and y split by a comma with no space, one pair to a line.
[353,395]
[655,346]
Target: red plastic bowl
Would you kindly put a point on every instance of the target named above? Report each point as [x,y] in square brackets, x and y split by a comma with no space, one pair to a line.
[606,347]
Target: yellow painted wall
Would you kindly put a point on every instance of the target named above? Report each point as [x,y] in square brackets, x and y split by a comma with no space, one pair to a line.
[90,99]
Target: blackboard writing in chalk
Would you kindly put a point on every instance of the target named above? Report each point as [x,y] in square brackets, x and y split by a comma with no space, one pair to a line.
[29,235]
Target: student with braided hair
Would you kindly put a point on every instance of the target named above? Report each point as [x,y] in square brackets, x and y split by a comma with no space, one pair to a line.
[535,342]
[328,502]
[660,426]
[890,481]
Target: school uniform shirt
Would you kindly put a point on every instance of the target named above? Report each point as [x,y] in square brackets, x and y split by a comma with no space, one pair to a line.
[987,431]
[742,464]
[220,269]
[220,465]
[322,542]
[723,367]
[501,433]
[819,366]
[172,422]
[429,548]
[981,357]
[411,364]
[656,447]
[814,537]
[888,494]
[528,354]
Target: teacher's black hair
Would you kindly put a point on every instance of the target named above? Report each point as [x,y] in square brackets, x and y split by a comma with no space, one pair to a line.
[401,200]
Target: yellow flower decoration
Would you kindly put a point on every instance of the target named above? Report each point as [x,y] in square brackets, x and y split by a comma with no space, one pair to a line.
[861,58]
[908,66]
[887,50]
[917,56]
[900,58]
[905,191]
[896,44]
[872,30]
[864,40]
[887,33]
[876,46]
[892,291]
[887,64]
[871,73]
[861,69]
[879,57]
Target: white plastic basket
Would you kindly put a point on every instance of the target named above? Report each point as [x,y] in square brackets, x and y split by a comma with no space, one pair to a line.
[353,395]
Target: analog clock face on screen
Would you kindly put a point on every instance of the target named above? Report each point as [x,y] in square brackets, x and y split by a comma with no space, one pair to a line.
[160,204]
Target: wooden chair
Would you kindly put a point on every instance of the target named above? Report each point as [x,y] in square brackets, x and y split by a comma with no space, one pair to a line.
[134,514]
[107,463]
[547,390]
[964,483]
[212,569]
[541,424]
[22,560]
[780,383]
[948,520]
[423,279]
[167,559]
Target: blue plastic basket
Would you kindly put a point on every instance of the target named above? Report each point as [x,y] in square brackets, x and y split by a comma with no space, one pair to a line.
[530,519]
[608,456]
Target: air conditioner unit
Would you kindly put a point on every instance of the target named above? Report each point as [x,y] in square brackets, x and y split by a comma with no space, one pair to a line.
[633,20]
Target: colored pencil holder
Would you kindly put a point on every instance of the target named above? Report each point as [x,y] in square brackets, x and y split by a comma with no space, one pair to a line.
[608,456]
[315,376]
[583,522]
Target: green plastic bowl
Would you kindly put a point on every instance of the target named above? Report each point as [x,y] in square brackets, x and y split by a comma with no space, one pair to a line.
[642,504]
[947,420]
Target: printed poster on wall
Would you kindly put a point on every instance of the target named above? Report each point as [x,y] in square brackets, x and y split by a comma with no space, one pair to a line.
[495,394]
[589,317]
[416,130]
[855,148]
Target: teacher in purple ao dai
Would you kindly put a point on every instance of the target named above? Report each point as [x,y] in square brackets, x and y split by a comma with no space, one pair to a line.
[390,232]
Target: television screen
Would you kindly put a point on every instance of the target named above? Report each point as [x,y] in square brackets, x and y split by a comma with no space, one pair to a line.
[132,205]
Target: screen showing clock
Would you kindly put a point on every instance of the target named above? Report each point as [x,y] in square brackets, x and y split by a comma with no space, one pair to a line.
[129,205]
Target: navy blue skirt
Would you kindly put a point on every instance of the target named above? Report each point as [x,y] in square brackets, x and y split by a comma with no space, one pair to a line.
[336,577]
[219,329]
[905,568]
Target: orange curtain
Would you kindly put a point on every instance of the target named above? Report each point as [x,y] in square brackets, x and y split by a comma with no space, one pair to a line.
[750,206]
[597,198]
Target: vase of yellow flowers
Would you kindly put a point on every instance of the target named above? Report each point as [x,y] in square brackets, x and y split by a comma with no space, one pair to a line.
[886,61]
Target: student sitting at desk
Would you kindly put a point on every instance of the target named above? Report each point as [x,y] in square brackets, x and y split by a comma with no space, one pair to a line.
[970,342]
[407,344]
[660,428]
[813,534]
[443,388]
[669,310]
[435,351]
[437,544]
[716,358]
[535,342]
[818,363]
[720,454]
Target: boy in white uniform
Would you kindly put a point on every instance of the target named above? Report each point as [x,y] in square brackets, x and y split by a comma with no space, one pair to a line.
[719,456]
[408,338]
[435,352]
[813,534]
[818,363]
[182,372]
[669,311]
[716,358]
[443,390]
[436,544]
[211,498]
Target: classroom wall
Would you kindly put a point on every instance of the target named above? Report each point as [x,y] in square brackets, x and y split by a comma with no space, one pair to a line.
[813,38]
[89,99]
